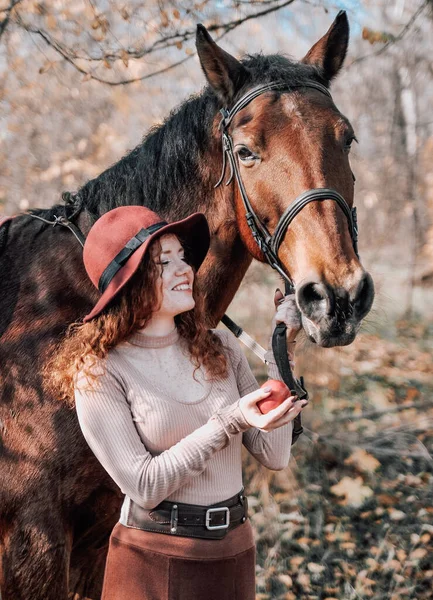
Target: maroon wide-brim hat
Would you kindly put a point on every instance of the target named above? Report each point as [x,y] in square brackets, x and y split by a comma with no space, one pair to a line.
[118,240]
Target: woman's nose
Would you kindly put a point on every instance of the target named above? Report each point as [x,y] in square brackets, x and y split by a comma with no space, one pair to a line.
[182,267]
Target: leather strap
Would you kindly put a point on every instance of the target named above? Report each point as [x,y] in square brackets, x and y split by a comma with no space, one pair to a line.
[59,220]
[244,337]
[267,87]
[301,201]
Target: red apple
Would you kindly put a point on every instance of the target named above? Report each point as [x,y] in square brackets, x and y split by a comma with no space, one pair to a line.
[279,393]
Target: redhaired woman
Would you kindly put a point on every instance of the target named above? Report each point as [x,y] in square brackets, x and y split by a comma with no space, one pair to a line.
[165,404]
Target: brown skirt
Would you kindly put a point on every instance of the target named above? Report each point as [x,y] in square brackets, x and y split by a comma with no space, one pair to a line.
[142,565]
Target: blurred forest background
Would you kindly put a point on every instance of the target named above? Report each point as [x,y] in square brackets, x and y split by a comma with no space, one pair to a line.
[80,84]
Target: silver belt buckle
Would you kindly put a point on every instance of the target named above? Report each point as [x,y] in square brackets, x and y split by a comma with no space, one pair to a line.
[212,510]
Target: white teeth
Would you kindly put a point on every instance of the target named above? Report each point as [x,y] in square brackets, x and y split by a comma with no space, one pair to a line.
[182,286]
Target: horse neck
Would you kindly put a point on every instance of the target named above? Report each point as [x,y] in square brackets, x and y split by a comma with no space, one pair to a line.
[177,166]
[227,261]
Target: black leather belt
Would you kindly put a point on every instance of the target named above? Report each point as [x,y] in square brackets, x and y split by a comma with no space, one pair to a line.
[191,520]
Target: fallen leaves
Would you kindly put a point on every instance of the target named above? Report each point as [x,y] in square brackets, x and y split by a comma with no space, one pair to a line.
[352,491]
[418,554]
[361,522]
[315,568]
[363,461]
[396,515]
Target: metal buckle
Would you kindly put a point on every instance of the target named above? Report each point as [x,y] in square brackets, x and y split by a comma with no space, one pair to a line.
[213,510]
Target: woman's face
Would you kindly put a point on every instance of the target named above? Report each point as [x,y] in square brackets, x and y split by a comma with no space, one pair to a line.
[176,278]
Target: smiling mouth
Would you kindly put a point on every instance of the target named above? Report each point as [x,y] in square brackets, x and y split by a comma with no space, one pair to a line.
[182,287]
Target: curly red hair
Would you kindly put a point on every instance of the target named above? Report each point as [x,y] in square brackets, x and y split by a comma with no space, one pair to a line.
[85,344]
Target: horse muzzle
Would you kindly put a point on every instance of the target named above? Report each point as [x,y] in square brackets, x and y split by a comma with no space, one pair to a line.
[332,316]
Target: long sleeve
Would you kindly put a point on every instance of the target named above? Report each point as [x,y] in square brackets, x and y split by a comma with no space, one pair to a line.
[271,449]
[106,422]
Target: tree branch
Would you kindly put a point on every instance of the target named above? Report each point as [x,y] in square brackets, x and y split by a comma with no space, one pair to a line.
[8,10]
[162,43]
[396,39]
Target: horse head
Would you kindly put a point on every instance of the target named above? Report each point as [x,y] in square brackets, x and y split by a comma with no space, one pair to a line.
[286,141]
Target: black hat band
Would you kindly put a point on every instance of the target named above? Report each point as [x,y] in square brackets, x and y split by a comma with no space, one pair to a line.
[130,247]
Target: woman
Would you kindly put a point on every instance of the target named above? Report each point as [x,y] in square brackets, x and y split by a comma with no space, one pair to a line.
[165,405]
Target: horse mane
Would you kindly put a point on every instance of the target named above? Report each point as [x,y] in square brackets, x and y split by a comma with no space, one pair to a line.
[163,169]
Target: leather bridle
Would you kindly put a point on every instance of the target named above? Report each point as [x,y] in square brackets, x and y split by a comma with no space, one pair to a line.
[269,243]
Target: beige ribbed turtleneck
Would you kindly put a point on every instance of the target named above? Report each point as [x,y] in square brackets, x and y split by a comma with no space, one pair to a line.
[161,435]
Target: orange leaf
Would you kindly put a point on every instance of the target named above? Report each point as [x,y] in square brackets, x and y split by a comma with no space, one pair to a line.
[125,57]
[51,22]
[164,19]
[353,491]
[46,67]
[363,461]
[418,554]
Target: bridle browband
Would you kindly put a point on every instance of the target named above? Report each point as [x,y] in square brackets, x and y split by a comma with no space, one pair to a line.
[268,243]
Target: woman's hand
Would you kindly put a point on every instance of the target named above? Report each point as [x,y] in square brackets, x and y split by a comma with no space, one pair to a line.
[287,312]
[281,415]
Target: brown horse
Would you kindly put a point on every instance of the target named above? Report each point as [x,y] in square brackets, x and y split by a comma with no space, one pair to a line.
[57,504]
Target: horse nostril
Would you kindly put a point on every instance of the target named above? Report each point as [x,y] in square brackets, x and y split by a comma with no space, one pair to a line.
[364,296]
[315,300]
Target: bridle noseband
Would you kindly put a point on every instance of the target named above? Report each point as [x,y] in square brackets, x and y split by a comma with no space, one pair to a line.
[270,244]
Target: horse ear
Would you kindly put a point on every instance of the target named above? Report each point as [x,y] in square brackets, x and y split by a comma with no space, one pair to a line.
[329,52]
[224,73]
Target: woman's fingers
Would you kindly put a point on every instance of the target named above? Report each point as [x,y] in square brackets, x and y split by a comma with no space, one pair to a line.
[278,297]
[290,415]
[276,413]
[251,399]
[280,415]
[248,404]
[281,409]
[287,312]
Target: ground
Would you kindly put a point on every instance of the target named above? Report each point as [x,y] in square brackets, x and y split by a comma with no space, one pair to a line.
[352,516]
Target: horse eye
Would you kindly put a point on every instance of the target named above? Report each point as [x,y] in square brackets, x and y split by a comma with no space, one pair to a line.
[348,143]
[245,154]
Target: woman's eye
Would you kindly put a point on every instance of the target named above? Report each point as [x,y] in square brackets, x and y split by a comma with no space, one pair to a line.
[167,262]
[245,154]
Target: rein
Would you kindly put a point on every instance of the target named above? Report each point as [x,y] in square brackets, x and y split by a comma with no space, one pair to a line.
[64,222]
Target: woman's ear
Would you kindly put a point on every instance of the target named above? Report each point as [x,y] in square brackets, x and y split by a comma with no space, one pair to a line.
[223,72]
[329,52]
